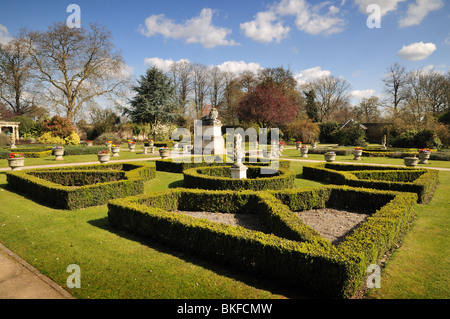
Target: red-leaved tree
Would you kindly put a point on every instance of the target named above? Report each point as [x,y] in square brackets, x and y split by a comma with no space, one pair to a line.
[268,106]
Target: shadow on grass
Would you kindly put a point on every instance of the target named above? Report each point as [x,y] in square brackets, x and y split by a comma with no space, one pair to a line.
[251,279]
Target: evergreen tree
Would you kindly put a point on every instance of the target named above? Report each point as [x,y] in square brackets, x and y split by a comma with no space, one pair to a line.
[311,106]
[155,100]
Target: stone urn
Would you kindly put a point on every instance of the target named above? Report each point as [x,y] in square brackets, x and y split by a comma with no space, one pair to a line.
[164,153]
[89,143]
[16,163]
[108,144]
[330,157]
[357,155]
[304,151]
[410,161]
[131,147]
[424,156]
[115,151]
[313,144]
[103,157]
[58,152]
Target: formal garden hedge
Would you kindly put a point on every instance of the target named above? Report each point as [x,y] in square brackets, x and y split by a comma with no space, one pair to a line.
[75,187]
[178,165]
[35,152]
[290,251]
[423,182]
[259,178]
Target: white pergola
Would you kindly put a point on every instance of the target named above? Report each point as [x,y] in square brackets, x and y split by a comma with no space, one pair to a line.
[12,127]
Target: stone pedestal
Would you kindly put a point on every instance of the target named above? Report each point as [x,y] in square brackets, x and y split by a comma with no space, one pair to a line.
[208,135]
[238,171]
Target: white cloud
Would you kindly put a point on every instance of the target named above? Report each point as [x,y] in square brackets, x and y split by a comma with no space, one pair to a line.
[267,25]
[4,35]
[311,74]
[419,10]
[262,29]
[196,30]
[360,94]
[417,51]
[239,67]
[385,5]
[162,64]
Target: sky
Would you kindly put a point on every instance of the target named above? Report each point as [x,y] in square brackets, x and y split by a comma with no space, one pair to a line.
[353,39]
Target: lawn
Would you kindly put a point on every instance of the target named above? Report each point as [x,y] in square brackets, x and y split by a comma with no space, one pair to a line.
[117,265]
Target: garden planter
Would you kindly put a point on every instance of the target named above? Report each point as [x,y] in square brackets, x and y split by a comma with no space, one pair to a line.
[103,158]
[88,143]
[314,144]
[59,152]
[115,151]
[304,151]
[423,157]
[17,163]
[411,161]
[357,155]
[132,147]
[164,153]
[108,144]
[330,157]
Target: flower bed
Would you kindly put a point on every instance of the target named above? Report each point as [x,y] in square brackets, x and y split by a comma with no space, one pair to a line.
[219,177]
[81,186]
[293,252]
[420,181]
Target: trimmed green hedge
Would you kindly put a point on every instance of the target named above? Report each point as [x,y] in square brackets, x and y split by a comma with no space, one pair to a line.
[180,164]
[98,183]
[291,251]
[219,177]
[423,182]
[27,152]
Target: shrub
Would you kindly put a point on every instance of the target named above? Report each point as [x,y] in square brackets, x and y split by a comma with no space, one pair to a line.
[219,177]
[5,140]
[48,138]
[58,126]
[47,185]
[72,139]
[420,181]
[326,132]
[291,251]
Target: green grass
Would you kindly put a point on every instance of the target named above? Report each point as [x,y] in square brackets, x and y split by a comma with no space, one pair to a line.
[116,265]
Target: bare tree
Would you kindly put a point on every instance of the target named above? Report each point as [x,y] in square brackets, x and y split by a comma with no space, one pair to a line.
[181,73]
[200,86]
[331,95]
[16,76]
[216,86]
[368,109]
[77,65]
[394,86]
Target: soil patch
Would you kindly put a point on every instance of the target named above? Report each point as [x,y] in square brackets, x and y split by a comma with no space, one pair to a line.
[332,224]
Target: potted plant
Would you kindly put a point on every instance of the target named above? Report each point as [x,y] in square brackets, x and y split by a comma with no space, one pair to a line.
[313,144]
[58,151]
[149,143]
[115,148]
[410,161]
[281,146]
[131,145]
[424,155]
[330,156]
[357,153]
[16,161]
[298,144]
[164,152]
[103,156]
[304,150]
[88,143]
[108,144]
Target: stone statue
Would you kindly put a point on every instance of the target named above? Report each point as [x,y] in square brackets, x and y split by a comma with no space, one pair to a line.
[238,152]
[212,118]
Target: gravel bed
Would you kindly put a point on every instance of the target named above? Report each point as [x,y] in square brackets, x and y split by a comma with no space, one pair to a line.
[331,224]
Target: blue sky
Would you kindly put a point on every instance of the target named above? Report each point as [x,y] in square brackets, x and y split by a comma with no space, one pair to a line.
[311,38]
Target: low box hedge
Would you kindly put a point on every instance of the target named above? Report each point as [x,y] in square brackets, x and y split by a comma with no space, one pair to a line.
[219,177]
[291,251]
[95,184]
[178,165]
[423,182]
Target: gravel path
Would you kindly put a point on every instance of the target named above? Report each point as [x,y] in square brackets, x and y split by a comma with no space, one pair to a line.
[332,224]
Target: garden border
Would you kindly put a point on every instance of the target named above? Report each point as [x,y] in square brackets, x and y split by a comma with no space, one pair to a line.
[68,197]
[346,174]
[293,253]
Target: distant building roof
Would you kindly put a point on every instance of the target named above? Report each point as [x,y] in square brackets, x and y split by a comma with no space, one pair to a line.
[353,121]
